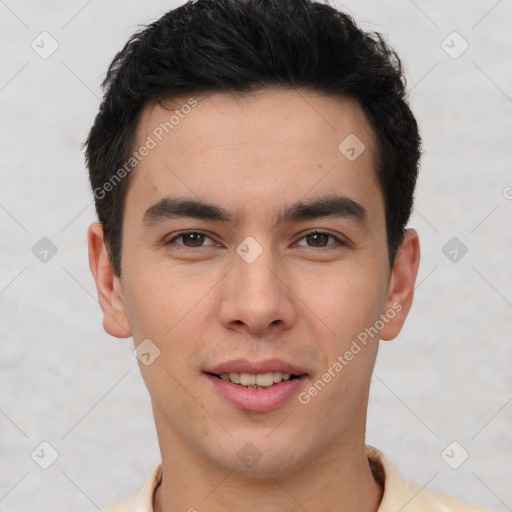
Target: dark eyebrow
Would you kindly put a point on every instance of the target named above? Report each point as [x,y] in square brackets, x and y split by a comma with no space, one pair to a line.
[328,206]
[172,207]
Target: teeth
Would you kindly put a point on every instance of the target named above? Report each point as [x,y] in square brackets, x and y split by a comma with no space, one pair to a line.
[260,380]
[246,379]
[265,379]
[234,377]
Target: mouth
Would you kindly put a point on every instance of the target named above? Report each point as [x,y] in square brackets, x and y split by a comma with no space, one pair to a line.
[256,381]
[257,386]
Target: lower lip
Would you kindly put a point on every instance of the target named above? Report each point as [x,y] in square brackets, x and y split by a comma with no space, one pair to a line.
[258,400]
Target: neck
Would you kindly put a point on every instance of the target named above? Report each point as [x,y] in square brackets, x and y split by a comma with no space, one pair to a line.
[339,478]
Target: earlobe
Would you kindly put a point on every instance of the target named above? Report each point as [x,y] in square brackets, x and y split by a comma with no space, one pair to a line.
[115,321]
[401,284]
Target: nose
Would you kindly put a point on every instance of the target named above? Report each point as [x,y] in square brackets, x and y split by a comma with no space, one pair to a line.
[257,295]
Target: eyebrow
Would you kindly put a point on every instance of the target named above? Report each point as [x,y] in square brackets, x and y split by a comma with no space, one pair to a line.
[327,206]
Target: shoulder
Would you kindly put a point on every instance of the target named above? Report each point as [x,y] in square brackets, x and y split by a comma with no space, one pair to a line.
[142,500]
[426,499]
[399,494]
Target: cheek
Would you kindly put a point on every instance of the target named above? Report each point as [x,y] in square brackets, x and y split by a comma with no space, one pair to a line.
[353,304]
[158,300]
[170,309]
[349,301]
[169,400]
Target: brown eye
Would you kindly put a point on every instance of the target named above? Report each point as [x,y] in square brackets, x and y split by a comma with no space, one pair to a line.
[319,239]
[189,239]
[195,239]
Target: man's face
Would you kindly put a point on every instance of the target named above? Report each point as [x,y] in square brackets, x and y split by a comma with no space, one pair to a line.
[241,291]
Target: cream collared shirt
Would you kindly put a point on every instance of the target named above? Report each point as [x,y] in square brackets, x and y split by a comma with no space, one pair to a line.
[399,494]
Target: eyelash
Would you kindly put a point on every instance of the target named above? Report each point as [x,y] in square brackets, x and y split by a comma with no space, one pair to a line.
[339,242]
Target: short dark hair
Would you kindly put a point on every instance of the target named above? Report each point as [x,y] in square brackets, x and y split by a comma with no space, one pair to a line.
[244,46]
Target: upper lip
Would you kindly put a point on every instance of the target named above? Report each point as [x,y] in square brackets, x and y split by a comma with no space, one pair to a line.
[255,367]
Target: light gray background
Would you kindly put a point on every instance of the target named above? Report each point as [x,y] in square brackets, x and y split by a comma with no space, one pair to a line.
[63,380]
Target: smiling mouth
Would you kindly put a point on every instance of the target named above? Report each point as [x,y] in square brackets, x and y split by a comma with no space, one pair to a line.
[256,381]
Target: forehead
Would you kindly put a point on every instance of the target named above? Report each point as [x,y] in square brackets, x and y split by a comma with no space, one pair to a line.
[286,117]
[259,148]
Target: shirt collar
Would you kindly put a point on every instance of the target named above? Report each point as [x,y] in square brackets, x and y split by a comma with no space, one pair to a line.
[399,494]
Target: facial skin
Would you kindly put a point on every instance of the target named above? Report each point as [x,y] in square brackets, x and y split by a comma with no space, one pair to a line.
[303,299]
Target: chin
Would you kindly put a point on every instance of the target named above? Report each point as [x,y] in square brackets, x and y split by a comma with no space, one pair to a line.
[260,457]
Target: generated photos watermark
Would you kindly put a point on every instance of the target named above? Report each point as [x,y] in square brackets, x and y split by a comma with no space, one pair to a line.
[150,143]
[355,348]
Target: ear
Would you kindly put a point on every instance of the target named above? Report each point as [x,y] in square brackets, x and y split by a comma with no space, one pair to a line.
[401,284]
[110,296]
